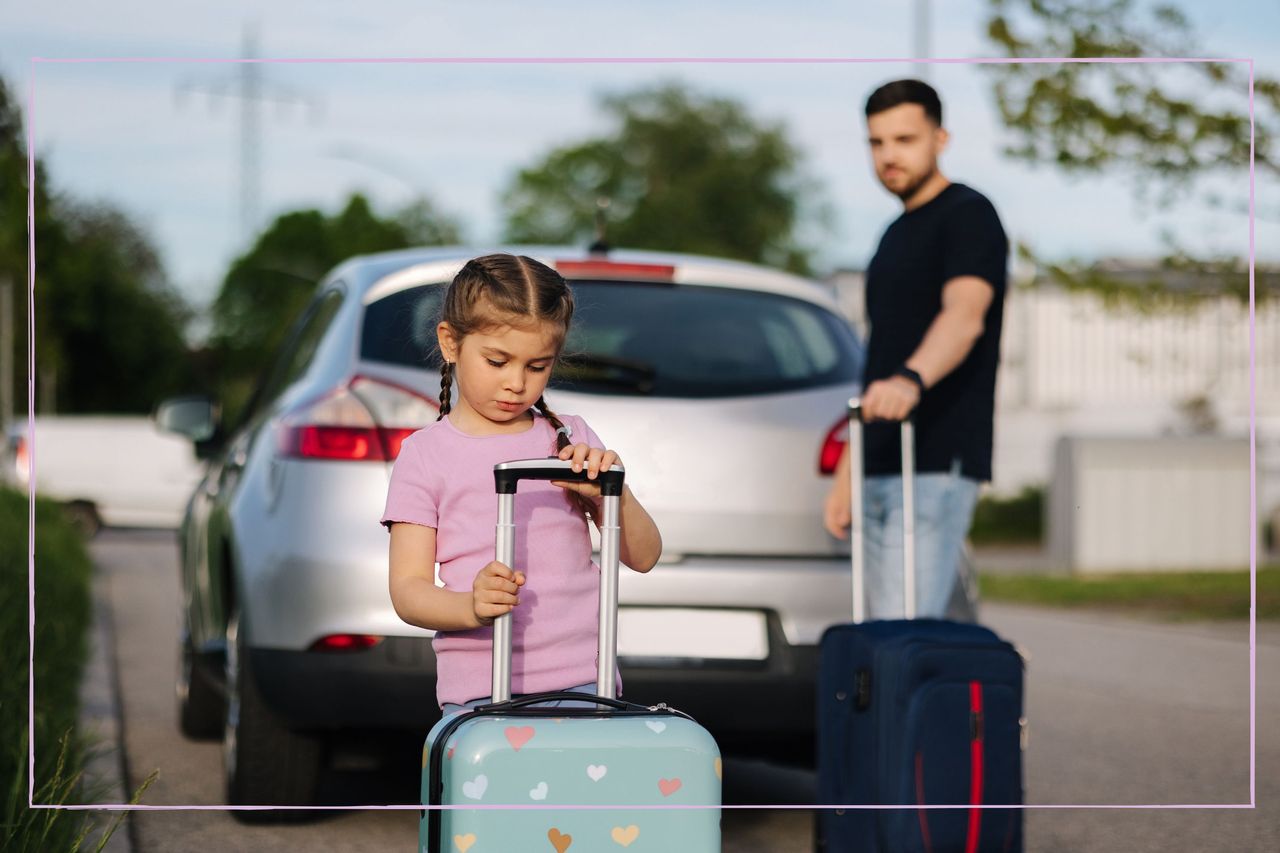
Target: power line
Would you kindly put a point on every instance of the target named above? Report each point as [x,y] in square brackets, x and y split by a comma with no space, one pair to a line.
[248,83]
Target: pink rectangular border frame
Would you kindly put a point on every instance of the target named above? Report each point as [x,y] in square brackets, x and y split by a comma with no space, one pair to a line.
[654,60]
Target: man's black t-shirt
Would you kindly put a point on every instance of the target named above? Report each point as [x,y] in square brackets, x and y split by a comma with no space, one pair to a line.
[957,233]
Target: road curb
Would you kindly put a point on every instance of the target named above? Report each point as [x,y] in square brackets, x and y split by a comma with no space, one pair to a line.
[100,722]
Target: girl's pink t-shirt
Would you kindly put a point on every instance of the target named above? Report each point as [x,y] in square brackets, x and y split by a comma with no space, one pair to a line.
[443,478]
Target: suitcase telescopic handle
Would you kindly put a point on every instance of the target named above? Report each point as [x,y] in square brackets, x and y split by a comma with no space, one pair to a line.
[506,477]
[857,542]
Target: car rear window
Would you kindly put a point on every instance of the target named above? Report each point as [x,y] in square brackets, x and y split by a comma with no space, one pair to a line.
[655,340]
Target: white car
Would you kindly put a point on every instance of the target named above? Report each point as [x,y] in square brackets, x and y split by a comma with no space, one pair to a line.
[114,470]
[723,386]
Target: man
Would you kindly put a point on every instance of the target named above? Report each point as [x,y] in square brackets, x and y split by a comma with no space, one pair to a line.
[935,296]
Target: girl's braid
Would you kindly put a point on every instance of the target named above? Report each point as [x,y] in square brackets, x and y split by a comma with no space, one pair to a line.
[586,505]
[562,440]
[446,382]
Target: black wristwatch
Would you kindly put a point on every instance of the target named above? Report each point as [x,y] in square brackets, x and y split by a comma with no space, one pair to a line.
[908,373]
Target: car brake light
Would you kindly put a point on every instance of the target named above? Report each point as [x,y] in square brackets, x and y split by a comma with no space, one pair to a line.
[603,268]
[21,461]
[345,643]
[365,420]
[399,411]
[832,446]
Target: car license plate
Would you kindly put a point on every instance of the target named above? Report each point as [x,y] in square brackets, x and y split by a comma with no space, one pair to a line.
[675,632]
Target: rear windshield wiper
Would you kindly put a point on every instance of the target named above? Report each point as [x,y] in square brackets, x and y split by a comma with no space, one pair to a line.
[593,368]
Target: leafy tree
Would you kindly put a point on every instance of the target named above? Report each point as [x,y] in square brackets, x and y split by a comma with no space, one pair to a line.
[108,328]
[117,323]
[425,224]
[13,237]
[268,287]
[1167,128]
[680,171]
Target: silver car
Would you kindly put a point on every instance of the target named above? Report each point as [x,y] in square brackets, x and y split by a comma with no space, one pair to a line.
[721,384]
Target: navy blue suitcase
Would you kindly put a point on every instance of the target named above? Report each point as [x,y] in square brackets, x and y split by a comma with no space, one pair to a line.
[915,712]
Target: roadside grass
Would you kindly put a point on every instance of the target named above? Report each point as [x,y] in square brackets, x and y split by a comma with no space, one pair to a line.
[64,606]
[1174,596]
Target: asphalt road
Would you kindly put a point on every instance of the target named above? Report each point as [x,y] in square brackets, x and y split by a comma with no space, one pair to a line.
[1123,712]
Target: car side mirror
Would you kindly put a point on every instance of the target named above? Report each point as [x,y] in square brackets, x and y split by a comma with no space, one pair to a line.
[195,417]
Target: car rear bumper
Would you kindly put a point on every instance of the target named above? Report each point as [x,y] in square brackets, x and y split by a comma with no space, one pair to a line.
[392,686]
[389,686]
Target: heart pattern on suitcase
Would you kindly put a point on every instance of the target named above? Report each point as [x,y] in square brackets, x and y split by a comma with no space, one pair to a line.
[518,736]
[516,774]
[475,789]
[626,836]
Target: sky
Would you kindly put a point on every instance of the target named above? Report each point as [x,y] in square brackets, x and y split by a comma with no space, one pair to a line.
[152,139]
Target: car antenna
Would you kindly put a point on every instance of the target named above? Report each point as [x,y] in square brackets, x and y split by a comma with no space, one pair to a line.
[600,245]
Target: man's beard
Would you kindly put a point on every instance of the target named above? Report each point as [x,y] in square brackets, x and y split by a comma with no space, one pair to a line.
[911,189]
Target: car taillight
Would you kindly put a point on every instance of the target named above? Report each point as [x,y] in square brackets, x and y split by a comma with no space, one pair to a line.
[345,643]
[365,420]
[21,461]
[832,446]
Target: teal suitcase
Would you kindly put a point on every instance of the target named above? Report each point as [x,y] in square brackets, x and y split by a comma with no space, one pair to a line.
[516,775]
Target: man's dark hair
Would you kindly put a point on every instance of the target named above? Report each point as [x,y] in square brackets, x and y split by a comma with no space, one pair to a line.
[901,92]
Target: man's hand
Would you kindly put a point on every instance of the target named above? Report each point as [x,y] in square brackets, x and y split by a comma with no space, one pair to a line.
[890,399]
[836,515]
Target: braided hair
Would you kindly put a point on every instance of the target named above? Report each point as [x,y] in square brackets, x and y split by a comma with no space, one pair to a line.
[446,383]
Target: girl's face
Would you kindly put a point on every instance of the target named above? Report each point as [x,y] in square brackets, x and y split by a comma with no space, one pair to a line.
[499,372]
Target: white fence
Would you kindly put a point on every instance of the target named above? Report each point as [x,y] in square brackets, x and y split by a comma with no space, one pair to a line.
[1063,349]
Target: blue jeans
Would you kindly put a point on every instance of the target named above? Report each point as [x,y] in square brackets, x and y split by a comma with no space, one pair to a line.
[450,708]
[944,511]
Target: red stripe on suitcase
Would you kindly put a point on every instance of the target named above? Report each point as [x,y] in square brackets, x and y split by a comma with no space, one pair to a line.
[922,813]
[975,767]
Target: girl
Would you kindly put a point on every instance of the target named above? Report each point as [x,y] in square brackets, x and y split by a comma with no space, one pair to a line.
[503,323]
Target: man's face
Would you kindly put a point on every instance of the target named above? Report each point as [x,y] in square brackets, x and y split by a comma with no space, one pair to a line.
[905,146]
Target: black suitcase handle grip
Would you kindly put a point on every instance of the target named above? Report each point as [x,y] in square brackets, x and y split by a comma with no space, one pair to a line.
[855,412]
[507,474]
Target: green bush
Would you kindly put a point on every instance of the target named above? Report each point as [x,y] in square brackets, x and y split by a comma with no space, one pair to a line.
[64,607]
[1009,521]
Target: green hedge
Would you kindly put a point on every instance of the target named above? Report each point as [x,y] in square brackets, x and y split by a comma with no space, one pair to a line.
[1009,521]
[64,606]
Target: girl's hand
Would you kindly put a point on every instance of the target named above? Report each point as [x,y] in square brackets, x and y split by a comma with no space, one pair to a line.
[495,592]
[594,459]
